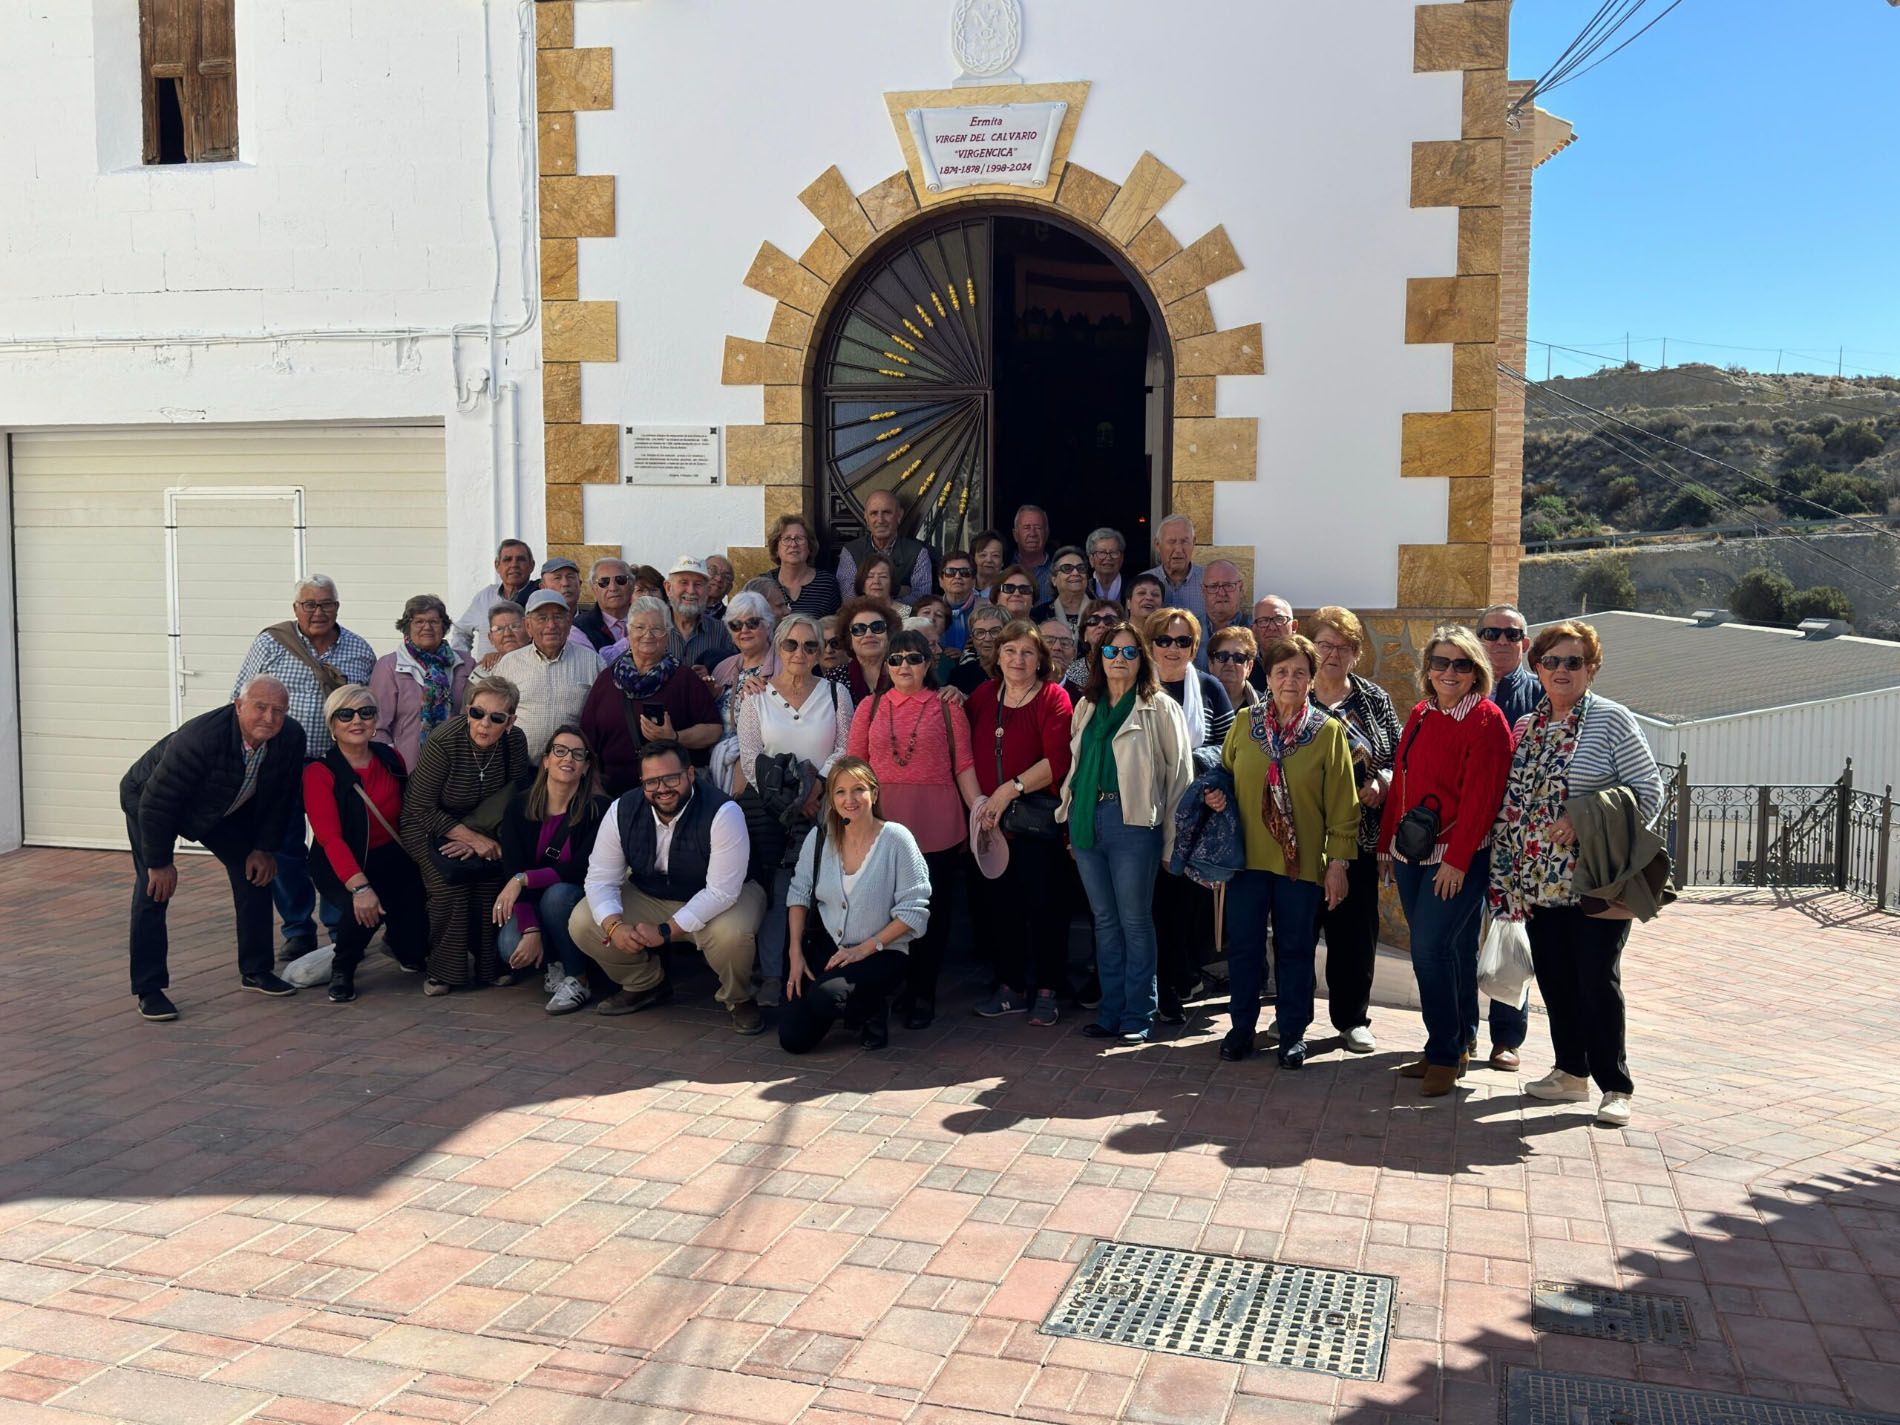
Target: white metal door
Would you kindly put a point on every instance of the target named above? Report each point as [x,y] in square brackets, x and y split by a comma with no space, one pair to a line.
[231,555]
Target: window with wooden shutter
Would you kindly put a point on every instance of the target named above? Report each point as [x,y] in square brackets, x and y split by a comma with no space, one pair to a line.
[188,55]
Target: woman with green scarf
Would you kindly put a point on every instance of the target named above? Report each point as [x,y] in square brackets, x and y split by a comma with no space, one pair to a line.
[1130,761]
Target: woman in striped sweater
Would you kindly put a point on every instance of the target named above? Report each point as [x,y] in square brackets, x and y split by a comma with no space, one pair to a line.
[1574,743]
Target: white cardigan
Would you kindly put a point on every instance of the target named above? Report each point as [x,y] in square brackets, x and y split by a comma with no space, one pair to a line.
[1154,762]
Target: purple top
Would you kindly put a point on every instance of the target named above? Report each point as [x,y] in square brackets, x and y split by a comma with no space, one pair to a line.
[542,876]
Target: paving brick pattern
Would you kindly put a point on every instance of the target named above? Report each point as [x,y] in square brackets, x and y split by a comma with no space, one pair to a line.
[462,1210]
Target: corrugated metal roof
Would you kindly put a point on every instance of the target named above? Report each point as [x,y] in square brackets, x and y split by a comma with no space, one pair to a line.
[1675,670]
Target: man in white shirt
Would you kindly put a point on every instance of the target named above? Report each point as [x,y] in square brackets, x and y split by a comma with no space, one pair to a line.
[555,674]
[670,865]
[514,582]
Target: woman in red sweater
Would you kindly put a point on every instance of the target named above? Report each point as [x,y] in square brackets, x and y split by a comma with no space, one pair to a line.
[1453,760]
[357,859]
[1019,725]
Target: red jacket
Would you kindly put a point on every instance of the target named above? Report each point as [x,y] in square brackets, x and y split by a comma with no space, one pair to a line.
[1463,758]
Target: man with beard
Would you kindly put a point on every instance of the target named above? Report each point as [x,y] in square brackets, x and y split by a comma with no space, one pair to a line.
[698,638]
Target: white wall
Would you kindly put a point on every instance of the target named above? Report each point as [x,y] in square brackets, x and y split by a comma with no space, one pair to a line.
[319,277]
[11,825]
[1292,123]
[1803,745]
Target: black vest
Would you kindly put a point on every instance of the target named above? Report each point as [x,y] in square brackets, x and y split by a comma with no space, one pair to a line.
[903,554]
[352,811]
[691,854]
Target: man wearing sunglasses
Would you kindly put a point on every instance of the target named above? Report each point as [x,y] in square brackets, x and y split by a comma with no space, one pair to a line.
[605,620]
[908,557]
[1503,633]
[514,581]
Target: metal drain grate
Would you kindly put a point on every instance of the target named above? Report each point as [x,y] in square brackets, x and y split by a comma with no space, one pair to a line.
[1554,1398]
[1228,1309]
[1610,1315]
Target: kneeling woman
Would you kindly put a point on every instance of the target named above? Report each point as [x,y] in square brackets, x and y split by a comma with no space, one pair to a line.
[860,895]
[353,797]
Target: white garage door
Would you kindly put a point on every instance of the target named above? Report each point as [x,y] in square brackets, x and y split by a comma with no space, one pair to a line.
[146,561]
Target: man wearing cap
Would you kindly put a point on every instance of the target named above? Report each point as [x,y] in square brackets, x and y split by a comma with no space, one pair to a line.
[554,674]
[514,581]
[698,639]
[563,576]
[910,560]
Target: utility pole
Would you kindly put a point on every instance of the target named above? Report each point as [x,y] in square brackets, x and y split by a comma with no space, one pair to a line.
[1840,362]
[1626,348]
[1547,351]
[1665,356]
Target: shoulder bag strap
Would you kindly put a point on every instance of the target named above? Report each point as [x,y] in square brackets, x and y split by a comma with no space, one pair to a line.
[377,812]
[287,637]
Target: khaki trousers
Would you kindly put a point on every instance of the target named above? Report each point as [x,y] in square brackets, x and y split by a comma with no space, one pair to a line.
[729,941]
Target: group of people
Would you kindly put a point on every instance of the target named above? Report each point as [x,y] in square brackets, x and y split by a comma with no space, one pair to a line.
[797,778]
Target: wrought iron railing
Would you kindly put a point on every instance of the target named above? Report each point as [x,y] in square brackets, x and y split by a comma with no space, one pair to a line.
[1787,837]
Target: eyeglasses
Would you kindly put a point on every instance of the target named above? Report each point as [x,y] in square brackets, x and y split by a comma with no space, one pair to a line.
[500,719]
[1509,635]
[1019,589]
[1173,640]
[561,752]
[798,645]
[861,630]
[352,714]
[416,623]
[746,625]
[615,581]
[318,606]
[666,781]
[1228,655]
[1225,586]
[905,660]
[1460,666]
[1272,621]
[1117,650]
[1100,621]
[1568,662]
[1327,647]
[962,571]
[1071,568]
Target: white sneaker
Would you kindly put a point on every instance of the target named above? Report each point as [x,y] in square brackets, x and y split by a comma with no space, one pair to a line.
[551,976]
[1359,1040]
[569,995]
[1614,1110]
[1559,1087]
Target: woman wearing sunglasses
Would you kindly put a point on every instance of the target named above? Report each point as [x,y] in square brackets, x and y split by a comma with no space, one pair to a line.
[1447,780]
[866,625]
[455,799]
[1098,617]
[1069,576]
[353,796]
[1016,593]
[1131,761]
[546,836]
[1230,658]
[1576,742]
[919,748]
[749,621]
[801,715]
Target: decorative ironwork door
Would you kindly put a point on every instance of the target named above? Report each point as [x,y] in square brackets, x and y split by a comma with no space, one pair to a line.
[905,388]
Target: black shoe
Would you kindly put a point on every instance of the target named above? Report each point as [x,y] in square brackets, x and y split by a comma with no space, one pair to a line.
[154,1005]
[1236,1046]
[876,1033]
[1195,989]
[1092,1030]
[1090,995]
[268,984]
[920,1014]
[633,1001]
[295,945]
[1171,1012]
[1294,1057]
[342,987]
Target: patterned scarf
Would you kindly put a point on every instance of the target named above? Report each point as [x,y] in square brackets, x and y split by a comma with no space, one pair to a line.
[1527,868]
[636,684]
[438,683]
[1279,740]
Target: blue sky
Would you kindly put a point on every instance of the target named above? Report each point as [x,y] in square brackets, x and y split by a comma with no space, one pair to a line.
[1736,180]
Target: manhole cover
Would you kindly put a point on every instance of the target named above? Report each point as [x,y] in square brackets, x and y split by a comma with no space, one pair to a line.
[1610,1315]
[1228,1309]
[1553,1398]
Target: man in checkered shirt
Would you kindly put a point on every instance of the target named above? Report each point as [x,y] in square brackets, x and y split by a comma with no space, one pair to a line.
[286,652]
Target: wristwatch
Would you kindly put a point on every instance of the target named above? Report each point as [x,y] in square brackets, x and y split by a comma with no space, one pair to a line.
[1017,783]
[666,931]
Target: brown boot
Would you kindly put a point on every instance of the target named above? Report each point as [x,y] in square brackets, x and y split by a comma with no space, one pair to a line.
[1440,1079]
[1414,1070]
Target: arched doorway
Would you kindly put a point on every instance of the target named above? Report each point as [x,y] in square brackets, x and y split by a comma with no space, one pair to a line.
[985,359]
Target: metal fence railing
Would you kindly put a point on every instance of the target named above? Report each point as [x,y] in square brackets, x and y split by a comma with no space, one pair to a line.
[1786,837]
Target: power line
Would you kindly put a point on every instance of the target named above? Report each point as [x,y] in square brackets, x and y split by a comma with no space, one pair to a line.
[1714,381]
[1579,57]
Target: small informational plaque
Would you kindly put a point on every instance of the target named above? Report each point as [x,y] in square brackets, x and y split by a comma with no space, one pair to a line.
[991,143]
[669,455]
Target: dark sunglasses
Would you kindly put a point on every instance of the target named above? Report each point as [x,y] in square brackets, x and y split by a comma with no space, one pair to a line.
[834,645]
[1100,621]
[1568,662]
[905,660]
[499,719]
[1019,588]
[1228,655]
[1173,640]
[352,714]
[959,572]
[795,645]
[1441,664]
[1509,635]
[561,753]
[746,625]
[876,625]
[1128,651]
[1070,568]
[617,581]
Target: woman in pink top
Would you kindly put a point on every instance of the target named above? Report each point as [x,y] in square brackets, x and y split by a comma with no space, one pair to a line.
[919,747]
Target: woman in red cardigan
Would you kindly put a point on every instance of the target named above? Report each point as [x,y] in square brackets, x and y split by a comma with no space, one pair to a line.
[1454,758]
[1019,726]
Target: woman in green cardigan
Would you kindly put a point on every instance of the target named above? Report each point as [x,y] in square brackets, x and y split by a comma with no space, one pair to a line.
[1299,817]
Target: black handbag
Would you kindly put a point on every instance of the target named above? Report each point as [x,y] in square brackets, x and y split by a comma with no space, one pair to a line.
[1416,837]
[1033,813]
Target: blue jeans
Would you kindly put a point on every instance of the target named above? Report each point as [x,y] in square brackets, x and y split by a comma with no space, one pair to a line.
[1256,899]
[1445,961]
[293,890]
[775,930]
[1118,873]
[552,907]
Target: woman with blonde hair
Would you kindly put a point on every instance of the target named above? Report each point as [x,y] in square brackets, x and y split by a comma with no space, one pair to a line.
[859,897]
[1435,841]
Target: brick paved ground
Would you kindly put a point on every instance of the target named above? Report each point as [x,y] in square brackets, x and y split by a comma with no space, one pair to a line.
[423,1210]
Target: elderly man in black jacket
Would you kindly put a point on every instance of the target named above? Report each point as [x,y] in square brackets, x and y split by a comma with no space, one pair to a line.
[227,780]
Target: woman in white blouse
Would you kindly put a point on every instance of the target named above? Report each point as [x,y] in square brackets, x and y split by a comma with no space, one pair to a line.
[810,718]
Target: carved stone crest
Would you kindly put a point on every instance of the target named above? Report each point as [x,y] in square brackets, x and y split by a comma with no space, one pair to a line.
[985,38]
